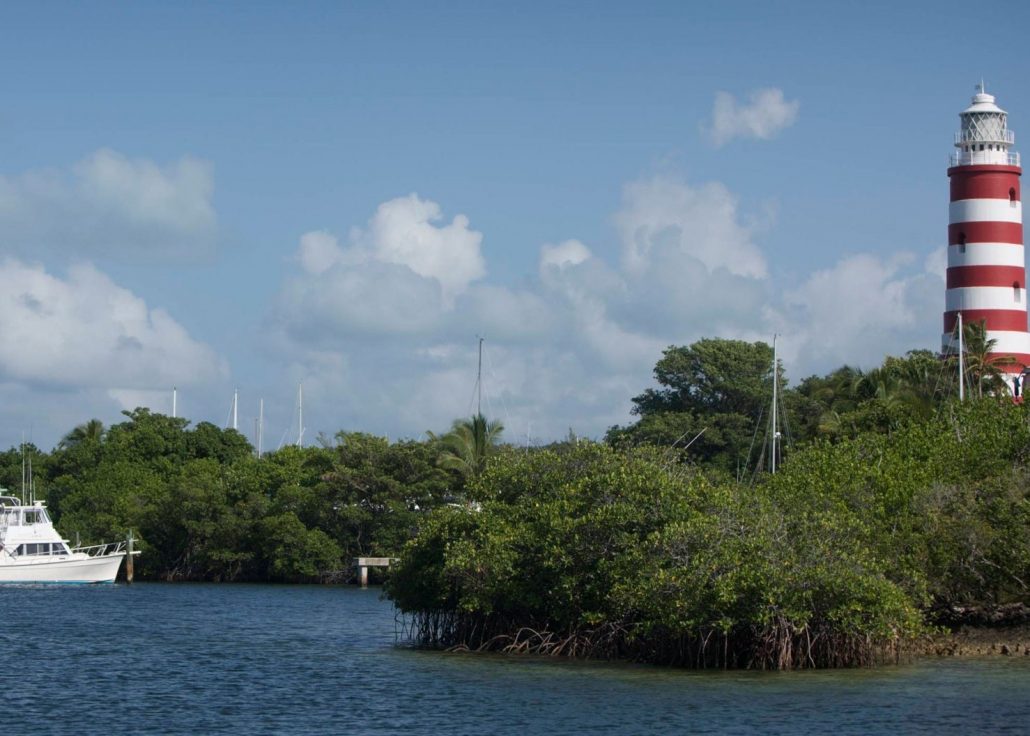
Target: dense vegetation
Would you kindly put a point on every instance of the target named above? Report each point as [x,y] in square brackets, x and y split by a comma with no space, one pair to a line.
[666,542]
[206,509]
[667,545]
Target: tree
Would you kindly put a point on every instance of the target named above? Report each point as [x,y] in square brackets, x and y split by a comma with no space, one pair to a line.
[711,376]
[719,387]
[92,431]
[372,497]
[982,366]
[469,443]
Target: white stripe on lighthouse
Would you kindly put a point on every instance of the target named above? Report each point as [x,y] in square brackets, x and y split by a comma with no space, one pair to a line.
[984,297]
[985,210]
[986,254]
[1009,342]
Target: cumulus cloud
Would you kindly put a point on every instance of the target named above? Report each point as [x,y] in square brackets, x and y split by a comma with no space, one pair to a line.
[569,253]
[111,205]
[401,302]
[384,334]
[666,218]
[403,232]
[85,331]
[396,276]
[764,115]
[862,308]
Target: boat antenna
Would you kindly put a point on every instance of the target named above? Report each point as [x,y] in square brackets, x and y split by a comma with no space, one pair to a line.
[23,476]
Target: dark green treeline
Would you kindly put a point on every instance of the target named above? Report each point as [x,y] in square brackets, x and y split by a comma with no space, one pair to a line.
[205,508]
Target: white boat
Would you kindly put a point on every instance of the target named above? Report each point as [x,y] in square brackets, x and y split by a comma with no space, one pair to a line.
[32,551]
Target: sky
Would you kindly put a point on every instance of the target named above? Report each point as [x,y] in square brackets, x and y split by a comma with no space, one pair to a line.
[346,196]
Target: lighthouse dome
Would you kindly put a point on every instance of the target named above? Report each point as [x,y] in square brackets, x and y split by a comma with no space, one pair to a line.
[984,136]
[983,102]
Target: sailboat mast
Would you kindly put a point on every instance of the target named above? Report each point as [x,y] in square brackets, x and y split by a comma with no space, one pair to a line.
[300,415]
[961,366]
[479,381]
[261,425]
[774,433]
[174,398]
[235,408]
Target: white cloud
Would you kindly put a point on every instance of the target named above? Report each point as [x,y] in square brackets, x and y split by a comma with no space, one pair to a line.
[861,309]
[397,276]
[318,252]
[571,348]
[380,344]
[568,253]
[666,217]
[937,262]
[766,113]
[403,232]
[85,331]
[109,204]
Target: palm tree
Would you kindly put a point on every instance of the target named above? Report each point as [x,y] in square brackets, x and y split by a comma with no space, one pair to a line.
[983,368]
[91,432]
[468,444]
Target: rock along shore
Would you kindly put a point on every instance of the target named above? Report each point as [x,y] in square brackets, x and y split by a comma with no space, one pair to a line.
[979,631]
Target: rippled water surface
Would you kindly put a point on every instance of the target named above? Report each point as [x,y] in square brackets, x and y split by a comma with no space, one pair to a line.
[199,659]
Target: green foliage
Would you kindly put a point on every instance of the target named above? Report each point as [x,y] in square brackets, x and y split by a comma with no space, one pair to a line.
[637,555]
[204,508]
[468,445]
[720,387]
[295,552]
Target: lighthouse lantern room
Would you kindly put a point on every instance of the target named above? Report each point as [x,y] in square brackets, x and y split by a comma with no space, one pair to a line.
[986,278]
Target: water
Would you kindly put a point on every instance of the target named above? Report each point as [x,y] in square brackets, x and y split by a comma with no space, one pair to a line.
[234,659]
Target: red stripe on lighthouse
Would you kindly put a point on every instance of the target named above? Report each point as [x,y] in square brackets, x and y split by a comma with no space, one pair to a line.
[985,232]
[1019,361]
[984,184]
[964,276]
[997,320]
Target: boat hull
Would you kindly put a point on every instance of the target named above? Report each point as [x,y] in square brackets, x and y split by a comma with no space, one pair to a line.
[85,569]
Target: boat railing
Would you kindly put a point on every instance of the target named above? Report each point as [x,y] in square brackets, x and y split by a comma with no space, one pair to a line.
[101,550]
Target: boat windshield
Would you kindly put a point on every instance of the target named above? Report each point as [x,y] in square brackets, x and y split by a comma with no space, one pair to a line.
[35,516]
[41,548]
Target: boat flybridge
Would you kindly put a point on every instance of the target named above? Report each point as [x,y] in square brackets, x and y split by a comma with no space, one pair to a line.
[32,551]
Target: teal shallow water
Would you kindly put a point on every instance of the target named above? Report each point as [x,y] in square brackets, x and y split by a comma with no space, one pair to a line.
[235,659]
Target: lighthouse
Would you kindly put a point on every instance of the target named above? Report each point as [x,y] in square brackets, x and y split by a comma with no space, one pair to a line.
[986,278]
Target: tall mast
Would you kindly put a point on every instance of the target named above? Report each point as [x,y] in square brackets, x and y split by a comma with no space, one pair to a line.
[961,367]
[479,381]
[174,398]
[300,415]
[774,433]
[235,408]
[261,426]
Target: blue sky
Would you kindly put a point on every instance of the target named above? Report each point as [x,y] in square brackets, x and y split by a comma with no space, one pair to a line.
[253,195]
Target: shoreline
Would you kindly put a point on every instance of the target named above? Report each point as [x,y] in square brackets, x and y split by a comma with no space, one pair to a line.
[975,641]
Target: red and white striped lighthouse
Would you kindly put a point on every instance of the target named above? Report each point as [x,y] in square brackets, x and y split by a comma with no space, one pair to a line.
[986,279]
